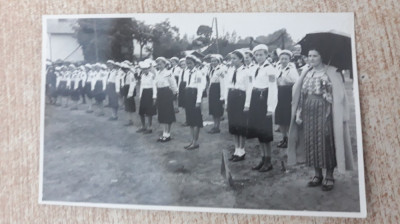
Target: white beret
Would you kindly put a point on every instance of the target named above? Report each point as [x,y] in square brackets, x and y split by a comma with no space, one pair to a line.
[162,59]
[285,52]
[174,58]
[144,64]
[260,47]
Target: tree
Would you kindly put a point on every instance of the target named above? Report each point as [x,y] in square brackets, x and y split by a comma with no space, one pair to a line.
[104,39]
[166,40]
[143,35]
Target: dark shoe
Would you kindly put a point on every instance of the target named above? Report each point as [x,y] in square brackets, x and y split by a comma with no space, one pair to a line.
[193,147]
[148,131]
[267,166]
[283,143]
[326,186]
[141,130]
[260,164]
[316,181]
[165,139]
[113,118]
[187,146]
[239,158]
[130,123]
[214,131]
[232,157]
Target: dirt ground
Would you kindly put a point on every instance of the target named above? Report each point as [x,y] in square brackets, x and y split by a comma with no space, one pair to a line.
[90,159]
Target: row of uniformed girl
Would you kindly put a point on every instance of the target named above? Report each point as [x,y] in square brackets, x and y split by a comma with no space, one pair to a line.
[93,83]
[251,93]
[250,90]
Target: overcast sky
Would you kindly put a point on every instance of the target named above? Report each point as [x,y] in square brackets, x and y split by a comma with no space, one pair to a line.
[256,24]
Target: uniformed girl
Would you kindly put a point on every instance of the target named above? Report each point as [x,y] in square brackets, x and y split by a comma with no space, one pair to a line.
[113,88]
[62,85]
[193,96]
[75,86]
[216,99]
[262,105]
[51,82]
[166,89]
[99,88]
[147,97]
[238,93]
[183,76]
[287,76]
[88,86]
[129,81]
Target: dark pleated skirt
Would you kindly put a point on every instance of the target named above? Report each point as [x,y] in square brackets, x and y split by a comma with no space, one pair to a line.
[112,95]
[62,89]
[51,91]
[75,93]
[165,105]
[237,119]
[129,102]
[88,90]
[193,114]
[215,105]
[283,109]
[181,96]
[98,92]
[260,125]
[318,133]
[124,91]
[146,105]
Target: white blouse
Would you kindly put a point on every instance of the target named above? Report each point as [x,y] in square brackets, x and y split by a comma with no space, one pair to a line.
[164,78]
[243,82]
[198,81]
[131,81]
[266,78]
[147,81]
[287,75]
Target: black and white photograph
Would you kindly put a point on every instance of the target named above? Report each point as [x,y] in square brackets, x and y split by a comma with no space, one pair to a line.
[254,113]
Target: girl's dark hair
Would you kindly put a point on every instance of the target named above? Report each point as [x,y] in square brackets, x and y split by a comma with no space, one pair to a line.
[239,55]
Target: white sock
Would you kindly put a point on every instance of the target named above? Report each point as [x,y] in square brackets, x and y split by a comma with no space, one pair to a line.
[236,151]
[166,134]
[240,152]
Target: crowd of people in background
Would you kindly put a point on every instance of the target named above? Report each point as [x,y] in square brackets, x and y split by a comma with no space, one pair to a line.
[300,94]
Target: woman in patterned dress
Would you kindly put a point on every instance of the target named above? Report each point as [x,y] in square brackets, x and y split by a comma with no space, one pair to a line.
[319,125]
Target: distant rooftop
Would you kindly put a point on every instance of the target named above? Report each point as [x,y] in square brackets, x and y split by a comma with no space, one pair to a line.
[60,26]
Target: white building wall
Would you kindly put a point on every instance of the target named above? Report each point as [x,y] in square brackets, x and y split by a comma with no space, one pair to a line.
[63,47]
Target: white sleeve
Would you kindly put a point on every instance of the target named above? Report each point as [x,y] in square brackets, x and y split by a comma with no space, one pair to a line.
[117,77]
[249,88]
[132,84]
[272,100]
[201,82]
[222,76]
[154,88]
[293,75]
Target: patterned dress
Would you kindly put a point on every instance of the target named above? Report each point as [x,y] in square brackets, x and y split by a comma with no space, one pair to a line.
[316,113]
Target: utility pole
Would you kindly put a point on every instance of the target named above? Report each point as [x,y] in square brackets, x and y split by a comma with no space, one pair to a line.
[95,40]
[216,32]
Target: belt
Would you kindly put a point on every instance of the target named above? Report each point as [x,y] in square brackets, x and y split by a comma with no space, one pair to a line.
[260,89]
